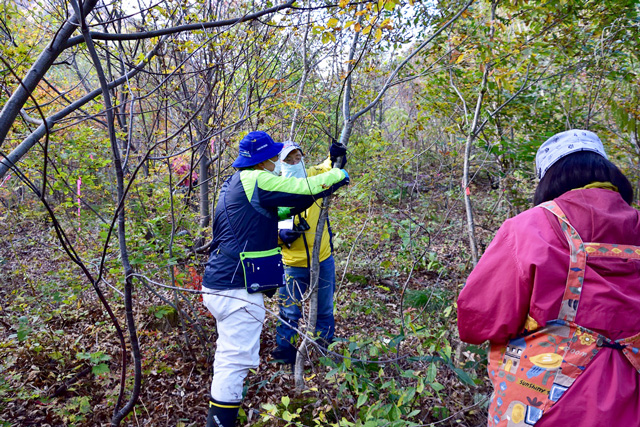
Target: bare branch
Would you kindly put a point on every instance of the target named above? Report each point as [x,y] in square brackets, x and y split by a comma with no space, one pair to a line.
[407,59]
[181,28]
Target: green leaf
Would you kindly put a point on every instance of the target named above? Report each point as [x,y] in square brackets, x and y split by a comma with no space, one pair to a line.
[269,407]
[23,328]
[99,356]
[463,376]
[101,368]
[361,400]
[347,362]
[397,339]
[437,386]
[431,373]
[84,405]
[394,413]
[285,401]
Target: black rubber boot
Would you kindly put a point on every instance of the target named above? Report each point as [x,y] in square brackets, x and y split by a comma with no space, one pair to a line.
[222,414]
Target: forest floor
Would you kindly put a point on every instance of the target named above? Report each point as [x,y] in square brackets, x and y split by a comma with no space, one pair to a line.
[44,382]
[60,357]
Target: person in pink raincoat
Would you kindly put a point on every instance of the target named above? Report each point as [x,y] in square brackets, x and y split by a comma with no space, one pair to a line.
[520,282]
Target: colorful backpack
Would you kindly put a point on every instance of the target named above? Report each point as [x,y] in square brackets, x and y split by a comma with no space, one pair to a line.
[530,373]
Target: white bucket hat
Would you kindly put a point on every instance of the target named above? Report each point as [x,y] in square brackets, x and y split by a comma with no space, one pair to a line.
[288,147]
[563,144]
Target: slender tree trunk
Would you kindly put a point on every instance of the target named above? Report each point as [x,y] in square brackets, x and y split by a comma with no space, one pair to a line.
[347,128]
[119,414]
[471,137]
[203,183]
[303,81]
[322,219]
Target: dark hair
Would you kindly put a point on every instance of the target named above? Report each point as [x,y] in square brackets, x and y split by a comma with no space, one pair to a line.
[577,170]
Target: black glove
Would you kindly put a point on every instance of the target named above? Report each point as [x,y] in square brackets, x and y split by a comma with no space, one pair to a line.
[338,150]
[289,236]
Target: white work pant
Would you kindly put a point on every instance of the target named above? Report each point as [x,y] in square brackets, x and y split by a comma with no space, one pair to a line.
[239,317]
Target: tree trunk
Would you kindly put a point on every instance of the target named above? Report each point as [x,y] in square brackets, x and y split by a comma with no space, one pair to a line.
[203,183]
[347,128]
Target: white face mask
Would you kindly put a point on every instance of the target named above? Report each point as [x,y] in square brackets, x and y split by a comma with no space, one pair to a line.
[277,166]
[294,171]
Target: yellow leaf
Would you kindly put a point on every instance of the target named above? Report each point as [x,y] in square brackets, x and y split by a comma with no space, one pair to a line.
[357,27]
[367,30]
[348,24]
[343,3]
[378,34]
[390,5]
[460,58]
[332,23]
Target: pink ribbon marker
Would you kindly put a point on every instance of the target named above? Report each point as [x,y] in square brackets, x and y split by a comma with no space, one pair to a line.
[79,185]
[7,178]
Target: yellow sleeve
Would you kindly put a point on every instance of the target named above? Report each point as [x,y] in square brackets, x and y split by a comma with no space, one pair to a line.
[321,168]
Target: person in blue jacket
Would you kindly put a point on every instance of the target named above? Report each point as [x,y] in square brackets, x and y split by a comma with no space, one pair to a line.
[246,220]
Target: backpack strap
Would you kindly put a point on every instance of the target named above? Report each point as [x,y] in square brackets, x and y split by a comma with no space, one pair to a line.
[630,347]
[612,250]
[577,264]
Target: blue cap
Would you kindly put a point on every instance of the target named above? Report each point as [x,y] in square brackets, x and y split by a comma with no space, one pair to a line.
[256,147]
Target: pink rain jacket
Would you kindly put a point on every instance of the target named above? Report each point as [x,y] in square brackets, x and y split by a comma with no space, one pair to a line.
[524,271]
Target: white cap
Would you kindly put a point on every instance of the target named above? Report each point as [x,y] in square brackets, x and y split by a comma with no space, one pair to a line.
[563,144]
[289,146]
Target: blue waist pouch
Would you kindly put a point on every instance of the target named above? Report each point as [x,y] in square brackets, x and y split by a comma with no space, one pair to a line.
[263,270]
